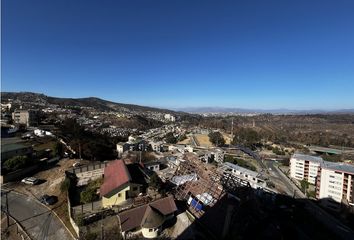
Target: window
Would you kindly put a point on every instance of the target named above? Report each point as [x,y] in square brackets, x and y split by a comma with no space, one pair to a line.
[119,195]
[135,188]
[151,230]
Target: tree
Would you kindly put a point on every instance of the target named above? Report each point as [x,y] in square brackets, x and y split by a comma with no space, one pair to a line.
[216,138]
[16,163]
[58,149]
[87,196]
[170,138]
[182,137]
[155,181]
[65,185]
[247,137]
[304,185]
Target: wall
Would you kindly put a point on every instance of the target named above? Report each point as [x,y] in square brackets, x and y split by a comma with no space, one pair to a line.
[88,172]
[115,200]
[147,234]
[18,175]
[73,224]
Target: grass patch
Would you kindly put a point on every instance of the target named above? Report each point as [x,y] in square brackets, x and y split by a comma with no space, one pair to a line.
[240,162]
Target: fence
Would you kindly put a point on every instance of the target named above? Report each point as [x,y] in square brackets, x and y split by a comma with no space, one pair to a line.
[87,208]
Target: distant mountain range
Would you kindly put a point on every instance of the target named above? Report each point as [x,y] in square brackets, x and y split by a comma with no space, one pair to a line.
[221,110]
[96,103]
[105,105]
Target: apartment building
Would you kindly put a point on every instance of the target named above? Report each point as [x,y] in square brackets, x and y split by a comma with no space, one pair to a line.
[305,167]
[26,117]
[335,184]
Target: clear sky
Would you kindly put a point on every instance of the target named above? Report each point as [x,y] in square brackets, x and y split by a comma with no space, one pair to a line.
[183,53]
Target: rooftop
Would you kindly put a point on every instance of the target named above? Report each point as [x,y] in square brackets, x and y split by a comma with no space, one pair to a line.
[342,167]
[309,158]
[148,215]
[240,169]
[116,174]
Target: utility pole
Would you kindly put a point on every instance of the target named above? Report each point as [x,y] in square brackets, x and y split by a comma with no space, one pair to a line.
[232,130]
[7,210]
[80,150]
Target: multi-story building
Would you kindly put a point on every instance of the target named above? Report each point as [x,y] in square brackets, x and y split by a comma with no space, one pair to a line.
[170,117]
[305,167]
[26,117]
[254,179]
[335,184]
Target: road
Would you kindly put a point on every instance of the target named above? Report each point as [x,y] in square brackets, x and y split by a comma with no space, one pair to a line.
[331,222]
[39,222]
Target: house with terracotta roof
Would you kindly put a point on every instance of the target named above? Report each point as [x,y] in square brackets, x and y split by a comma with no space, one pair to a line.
[121,182]
[147,219]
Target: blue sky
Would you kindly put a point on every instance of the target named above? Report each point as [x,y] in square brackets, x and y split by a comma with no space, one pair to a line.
[183,53]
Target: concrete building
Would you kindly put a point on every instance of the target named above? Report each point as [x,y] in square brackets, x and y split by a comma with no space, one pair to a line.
[157,146]
[170,117]
[26,117]
[218,155]
[335,184]
[252,177]
[121,147]
[11,147]
[305,167]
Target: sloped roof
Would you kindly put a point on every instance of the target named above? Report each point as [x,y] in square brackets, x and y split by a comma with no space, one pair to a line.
[116,175]
[147,215]
[152,218]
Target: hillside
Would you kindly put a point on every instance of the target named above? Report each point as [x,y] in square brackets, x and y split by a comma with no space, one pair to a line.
[93,102]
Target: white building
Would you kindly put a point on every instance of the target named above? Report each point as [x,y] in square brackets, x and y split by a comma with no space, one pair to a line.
[218,155]
[170,117]
[157,146]
[252,177]
[335,184]
[305,167]
[26,117]
[121,148]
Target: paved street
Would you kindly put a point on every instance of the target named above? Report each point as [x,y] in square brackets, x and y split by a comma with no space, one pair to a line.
[39,222]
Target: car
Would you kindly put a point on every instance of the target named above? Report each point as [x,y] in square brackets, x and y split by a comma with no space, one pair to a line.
[75,165]
[48,200]
[30,180]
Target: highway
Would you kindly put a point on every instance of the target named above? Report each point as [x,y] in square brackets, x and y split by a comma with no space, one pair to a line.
[331,222]
[38,221]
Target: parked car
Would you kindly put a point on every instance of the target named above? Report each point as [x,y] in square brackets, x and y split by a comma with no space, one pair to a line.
[75,165]
[48,200]
[30,180]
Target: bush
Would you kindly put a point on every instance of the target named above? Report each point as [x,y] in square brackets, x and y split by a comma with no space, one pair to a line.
[240,162]
[65,185]
[155,181]
[170,138]
[216,138]
[89,195]
[16,163]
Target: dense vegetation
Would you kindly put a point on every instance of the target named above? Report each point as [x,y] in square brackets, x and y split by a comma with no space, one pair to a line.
[216,138]
[240,162]
[91,146]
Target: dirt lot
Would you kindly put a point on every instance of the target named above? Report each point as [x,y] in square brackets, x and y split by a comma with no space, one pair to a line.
[203,140]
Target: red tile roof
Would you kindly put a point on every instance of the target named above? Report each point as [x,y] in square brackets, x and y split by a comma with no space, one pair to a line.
[134,218]
[116,174]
